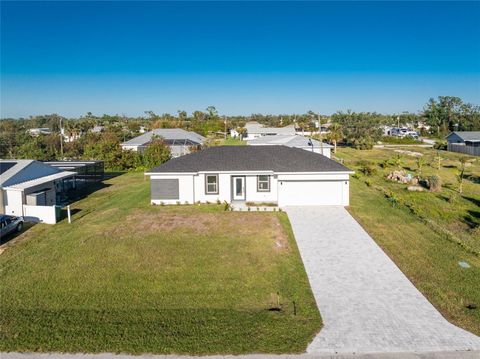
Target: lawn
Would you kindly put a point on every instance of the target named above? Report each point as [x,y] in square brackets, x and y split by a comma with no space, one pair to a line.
[126,276]
[425,233]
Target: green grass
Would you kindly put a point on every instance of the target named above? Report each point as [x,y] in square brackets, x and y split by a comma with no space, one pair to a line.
[425,252]
[400,141]
[230,141]
[129,277]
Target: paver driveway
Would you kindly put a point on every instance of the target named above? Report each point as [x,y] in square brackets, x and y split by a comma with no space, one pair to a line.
[366,302]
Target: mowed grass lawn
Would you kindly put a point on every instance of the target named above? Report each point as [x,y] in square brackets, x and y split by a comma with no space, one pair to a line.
[126,276]
[424,253]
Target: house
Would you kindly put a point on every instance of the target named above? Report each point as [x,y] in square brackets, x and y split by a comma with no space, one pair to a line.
[31,189]
[297,141]
[256,130]
[467,142]
[282,175]
[39,131]
[180,141]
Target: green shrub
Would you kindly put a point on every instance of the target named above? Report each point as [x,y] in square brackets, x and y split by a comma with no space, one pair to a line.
[367,168]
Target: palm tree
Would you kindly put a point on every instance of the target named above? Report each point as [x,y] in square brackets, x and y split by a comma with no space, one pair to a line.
[335,135]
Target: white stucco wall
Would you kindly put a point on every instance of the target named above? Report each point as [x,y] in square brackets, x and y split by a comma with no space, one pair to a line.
[13,200]
[308,189]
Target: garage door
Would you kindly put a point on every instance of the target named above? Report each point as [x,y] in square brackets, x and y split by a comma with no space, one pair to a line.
[310,193]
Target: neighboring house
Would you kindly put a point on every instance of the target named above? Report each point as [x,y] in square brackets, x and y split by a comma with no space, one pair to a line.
[256,130]
[181,142]
[31,188]
[467,142]
[297,141]
[70,136]
[39,131]
[282,175]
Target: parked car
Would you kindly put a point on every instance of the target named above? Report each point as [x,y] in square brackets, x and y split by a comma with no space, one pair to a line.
[9,224]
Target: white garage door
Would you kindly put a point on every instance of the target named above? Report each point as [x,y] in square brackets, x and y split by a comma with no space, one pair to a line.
[310,193]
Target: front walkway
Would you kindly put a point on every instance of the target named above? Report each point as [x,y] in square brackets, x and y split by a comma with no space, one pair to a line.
[366,302]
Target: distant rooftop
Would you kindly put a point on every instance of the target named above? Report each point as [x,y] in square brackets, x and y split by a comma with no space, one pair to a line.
[467,135]
[257,128]
[168,134]
[288,140]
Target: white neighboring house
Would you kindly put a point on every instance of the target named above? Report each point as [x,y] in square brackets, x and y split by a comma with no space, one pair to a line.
[256,130]
[29,188]
[281,175]
[179,140]
[297,141]
[70,137]
[39,131]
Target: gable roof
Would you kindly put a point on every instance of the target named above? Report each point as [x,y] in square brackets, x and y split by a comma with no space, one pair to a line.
[168,134]
[24,170]
[255,127]
[289,140]
[251,158]
[466,135]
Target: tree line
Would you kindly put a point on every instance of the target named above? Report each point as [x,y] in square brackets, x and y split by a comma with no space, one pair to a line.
[357,129]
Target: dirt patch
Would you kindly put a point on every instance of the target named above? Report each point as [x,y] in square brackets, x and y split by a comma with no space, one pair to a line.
[230,223]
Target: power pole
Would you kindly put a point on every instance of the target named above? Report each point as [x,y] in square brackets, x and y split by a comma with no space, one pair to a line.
[61,139]
[320,132]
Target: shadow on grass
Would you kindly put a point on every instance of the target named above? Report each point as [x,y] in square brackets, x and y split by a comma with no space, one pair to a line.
[475,201]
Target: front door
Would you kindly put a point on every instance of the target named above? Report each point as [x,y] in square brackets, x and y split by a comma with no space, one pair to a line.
[238,188]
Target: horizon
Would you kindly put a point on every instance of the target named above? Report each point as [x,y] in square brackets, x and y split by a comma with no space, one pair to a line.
[124,58]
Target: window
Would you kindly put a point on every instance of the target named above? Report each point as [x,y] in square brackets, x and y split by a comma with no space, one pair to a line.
[211,184]
[263,183]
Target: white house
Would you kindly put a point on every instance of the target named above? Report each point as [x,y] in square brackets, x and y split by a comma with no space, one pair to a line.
[297,141]
[281,175]
[180,141]
[29,188]
[256,130]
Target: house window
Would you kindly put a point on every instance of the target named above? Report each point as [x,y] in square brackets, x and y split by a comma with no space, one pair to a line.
[211,184]
[263,183]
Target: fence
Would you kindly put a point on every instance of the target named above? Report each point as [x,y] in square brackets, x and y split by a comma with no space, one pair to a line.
[44,214]
[461,148]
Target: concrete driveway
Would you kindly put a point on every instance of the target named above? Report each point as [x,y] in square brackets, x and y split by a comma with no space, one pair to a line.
[366,302]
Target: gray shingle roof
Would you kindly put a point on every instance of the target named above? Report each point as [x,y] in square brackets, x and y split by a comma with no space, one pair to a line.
[167,134]
[467,135]
[251,158]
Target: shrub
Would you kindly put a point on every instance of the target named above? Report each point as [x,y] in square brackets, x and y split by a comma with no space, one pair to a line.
[356,175]
[226,206]
[440,145]
[368,182]
[367,168]
[435,183]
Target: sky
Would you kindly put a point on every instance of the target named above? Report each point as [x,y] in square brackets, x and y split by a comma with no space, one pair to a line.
[123,57]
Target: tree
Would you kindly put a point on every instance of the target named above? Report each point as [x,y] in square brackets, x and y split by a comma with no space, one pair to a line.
[335,135]
[212,112]
[461,172]
[420,164]
[156,153]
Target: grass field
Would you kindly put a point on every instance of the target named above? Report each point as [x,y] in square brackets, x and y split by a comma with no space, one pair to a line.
[427,251]
[129,277]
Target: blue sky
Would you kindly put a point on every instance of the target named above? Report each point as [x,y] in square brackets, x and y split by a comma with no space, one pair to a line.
[270,57]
